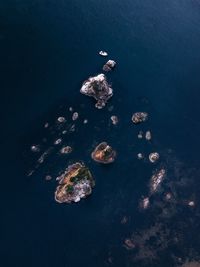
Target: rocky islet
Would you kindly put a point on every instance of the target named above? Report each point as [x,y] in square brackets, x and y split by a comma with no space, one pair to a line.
[74,184]
[98,88]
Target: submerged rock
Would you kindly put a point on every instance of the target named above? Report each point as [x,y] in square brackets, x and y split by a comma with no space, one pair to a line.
[139,117]
[128,244]
[110,64]
[110,109]
[72,128]
[46,125]
[153,157]
[76,183]
[48,177]
[124,220]
[103,153]
[98,88]
[140,156]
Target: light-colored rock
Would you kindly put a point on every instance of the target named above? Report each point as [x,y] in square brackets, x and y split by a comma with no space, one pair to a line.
[98,88]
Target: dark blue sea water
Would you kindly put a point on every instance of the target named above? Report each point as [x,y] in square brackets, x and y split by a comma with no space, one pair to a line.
[47,49]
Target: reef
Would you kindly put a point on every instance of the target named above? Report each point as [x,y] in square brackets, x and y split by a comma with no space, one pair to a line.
[74,184]
[104,153]
[139,117]
[98,88]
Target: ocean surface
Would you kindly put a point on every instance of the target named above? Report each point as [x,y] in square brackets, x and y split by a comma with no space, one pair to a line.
[47,49]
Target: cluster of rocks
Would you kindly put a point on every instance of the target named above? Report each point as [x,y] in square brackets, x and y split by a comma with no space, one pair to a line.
[77,182]
[139,117]
[153,157]
[147,135]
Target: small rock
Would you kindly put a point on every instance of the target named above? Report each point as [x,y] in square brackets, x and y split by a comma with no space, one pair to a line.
[103,53]
[168,196]
[148,135]
[140,135]
[144,203]
[46,125]
[153,157]
[191,204]
[35,148]
[140,156]
[48,177]
[114,120]
[61,119]
[66,150]
[58,141]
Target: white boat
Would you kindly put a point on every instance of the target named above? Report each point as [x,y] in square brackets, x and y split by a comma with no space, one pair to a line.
[103,53]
